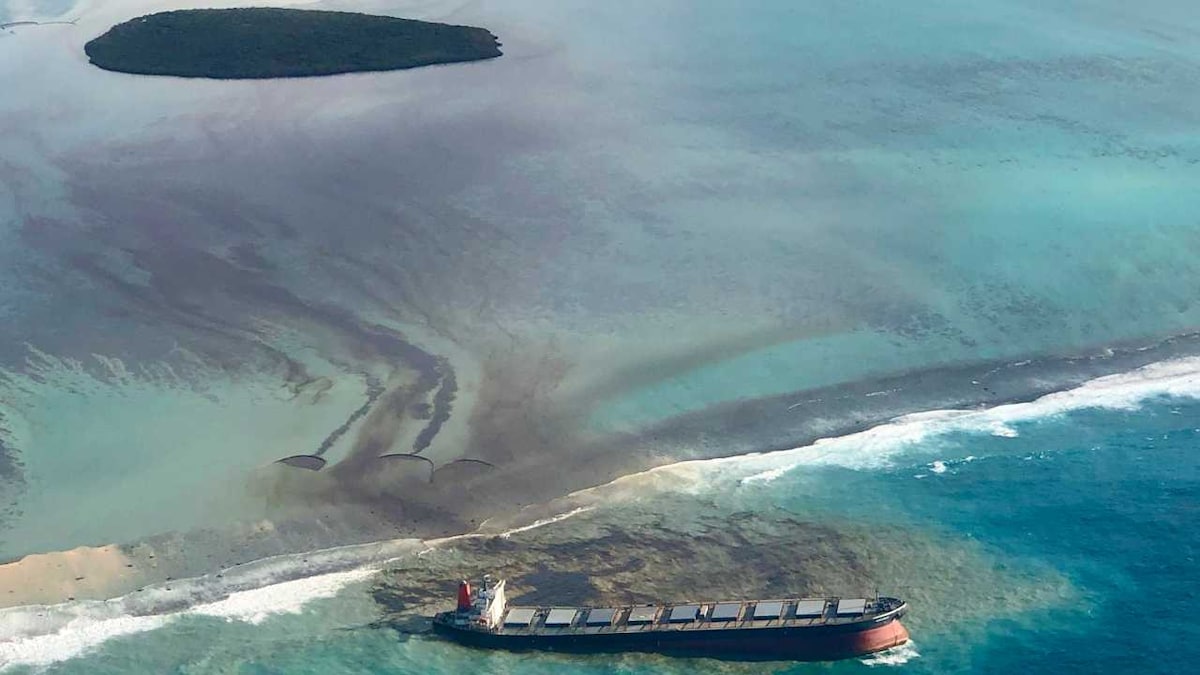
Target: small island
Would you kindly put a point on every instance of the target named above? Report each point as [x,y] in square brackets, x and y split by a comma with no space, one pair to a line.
[258,43]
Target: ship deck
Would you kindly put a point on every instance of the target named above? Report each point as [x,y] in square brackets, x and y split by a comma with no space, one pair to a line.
[691,617]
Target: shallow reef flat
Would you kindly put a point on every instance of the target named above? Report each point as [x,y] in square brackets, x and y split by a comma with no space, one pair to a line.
[692,547]
[259,42]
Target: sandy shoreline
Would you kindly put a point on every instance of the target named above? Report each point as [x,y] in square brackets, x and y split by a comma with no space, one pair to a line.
[81,573]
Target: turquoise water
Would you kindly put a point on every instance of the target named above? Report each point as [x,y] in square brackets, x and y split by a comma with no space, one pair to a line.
[639,213]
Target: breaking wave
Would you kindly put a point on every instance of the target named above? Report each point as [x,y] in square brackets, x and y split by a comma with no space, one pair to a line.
[289,597]
[44,634]
[896,656]
[40,635]
[878,446]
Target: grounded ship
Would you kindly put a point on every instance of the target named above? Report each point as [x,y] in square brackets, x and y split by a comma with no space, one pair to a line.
[803,629]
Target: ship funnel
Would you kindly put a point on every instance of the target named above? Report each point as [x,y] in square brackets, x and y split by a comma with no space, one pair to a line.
[464,596]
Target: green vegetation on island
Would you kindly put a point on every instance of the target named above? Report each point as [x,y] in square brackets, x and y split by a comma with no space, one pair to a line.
[256,42]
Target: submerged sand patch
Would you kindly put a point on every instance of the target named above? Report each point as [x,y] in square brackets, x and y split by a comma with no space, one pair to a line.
[691,549]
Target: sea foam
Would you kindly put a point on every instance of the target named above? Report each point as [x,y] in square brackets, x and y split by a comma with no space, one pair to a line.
[44,634]
[877,447]
[290,597]
[250,593]
[39,636]
[896,656]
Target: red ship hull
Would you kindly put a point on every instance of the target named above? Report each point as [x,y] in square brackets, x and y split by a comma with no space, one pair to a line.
[796,629]
[815,643]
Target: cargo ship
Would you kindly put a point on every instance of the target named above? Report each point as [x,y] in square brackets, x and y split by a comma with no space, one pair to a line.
[800,629]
